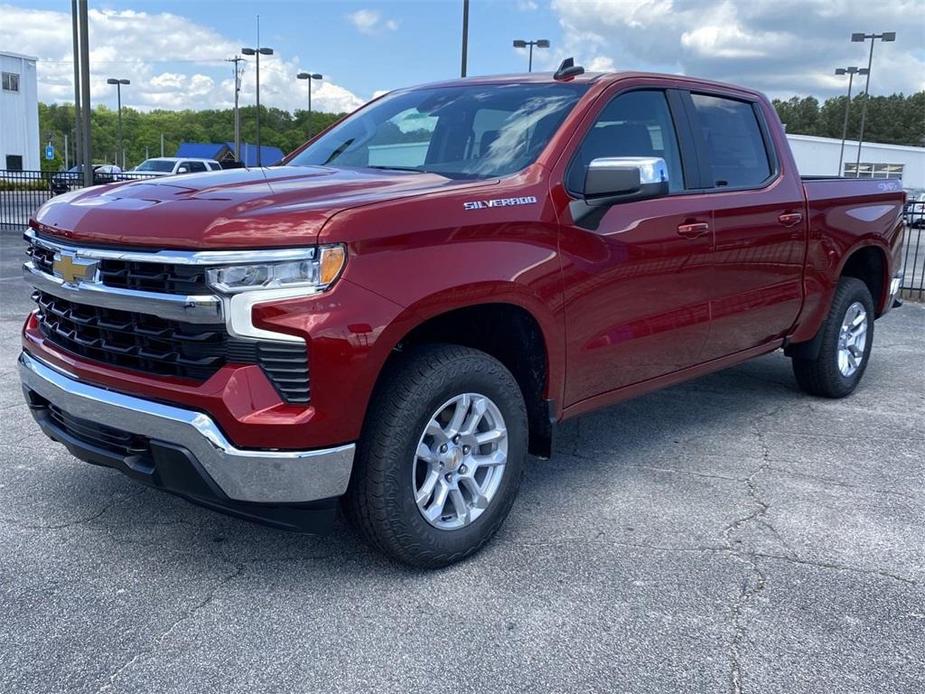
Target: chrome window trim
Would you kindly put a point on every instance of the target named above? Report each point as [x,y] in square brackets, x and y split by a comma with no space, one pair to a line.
[173,257]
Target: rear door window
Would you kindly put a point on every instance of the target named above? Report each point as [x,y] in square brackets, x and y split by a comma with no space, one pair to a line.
[735,148]
[195,166]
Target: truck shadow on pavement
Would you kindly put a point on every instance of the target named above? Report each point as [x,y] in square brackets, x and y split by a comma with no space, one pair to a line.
[701,429]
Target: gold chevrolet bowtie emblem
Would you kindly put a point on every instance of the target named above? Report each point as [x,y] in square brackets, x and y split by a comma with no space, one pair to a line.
[72,269]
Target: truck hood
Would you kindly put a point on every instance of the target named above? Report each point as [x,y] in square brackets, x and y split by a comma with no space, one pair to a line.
[237,208]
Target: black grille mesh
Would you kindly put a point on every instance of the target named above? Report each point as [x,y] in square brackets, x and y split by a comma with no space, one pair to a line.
[163,347]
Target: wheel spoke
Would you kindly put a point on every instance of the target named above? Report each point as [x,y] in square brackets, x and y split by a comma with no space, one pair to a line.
[479,500]
[434,429]
[427,488]
[490,460]
[435,510]
[424,453]
[459,414]
[477,411]
[489,436]
[459,503]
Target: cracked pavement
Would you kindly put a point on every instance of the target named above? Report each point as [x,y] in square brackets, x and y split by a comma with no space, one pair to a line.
[727,534]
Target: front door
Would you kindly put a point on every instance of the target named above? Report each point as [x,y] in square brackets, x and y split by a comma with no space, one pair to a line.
[637,285]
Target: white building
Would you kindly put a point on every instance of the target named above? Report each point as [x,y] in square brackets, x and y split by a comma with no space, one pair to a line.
[19,113]
[818,156]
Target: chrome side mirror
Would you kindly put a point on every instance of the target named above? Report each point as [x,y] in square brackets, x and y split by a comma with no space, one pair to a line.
[626,177]
[612,180]
[182,169]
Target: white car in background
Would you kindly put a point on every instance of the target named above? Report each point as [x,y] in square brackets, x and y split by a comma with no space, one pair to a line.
[915,208]
[172,166]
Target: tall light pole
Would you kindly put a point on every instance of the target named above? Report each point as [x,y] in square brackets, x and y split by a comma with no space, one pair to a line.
[851,72]
[257,52]
[539,43]
[237,114]
[465,39]
[886,36]
[309,76]
[119,83]
[78,123]
[86,155]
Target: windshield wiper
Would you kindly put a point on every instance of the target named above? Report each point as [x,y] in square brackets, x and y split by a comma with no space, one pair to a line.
[456,175]
[398,168]
[340,150]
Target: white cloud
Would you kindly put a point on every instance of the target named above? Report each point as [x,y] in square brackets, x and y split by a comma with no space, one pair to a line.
[527,5]
[783,47]
[371,22]
[138,45]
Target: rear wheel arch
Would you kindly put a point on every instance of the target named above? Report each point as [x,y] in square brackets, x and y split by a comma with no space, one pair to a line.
[870,264]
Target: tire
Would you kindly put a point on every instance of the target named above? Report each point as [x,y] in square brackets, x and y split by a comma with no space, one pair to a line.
[380,500]
[824,376]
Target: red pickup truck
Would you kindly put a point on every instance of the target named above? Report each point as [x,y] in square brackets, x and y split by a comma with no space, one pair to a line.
[407,305]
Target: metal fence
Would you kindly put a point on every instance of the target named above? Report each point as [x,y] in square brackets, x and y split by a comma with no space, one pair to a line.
[913,283]
[23,192]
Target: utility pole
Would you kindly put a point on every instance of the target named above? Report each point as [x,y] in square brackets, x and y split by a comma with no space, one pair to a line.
[67,163]
[78,146]
[465,39]
[237,114]
[162,144]
[85,90]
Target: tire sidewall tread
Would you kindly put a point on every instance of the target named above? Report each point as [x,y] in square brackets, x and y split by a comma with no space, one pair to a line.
[821,376]
[379,499]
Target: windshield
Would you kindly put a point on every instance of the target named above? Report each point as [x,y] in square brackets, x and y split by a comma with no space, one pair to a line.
[155,165]
[477,131]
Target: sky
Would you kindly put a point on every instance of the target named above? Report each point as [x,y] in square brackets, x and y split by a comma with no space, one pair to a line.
[175,52]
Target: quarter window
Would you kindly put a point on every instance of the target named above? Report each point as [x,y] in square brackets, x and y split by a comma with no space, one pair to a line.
[634,124]
[737,156]
[10,81]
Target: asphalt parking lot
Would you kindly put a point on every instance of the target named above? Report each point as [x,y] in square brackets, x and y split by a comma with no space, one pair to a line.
[729,534]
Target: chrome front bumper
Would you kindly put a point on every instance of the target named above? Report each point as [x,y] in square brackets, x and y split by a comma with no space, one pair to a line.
[246,475]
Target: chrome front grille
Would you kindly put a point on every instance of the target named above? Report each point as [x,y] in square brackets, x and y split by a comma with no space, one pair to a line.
[97,321]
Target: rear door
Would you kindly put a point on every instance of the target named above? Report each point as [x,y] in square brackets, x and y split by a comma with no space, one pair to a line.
[758,227]
[636,285]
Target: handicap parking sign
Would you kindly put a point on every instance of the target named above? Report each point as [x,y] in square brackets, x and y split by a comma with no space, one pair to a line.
[49,151]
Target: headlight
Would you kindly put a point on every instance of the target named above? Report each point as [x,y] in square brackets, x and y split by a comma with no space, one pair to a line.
[318,272]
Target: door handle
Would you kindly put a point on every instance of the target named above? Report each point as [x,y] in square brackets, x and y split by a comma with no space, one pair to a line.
[789,219]
[693,230]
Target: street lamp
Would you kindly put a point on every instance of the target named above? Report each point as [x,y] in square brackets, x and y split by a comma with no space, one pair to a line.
[119,83]
[851,72]
[309,76]
[258,52]
[886,36]
[539,43]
